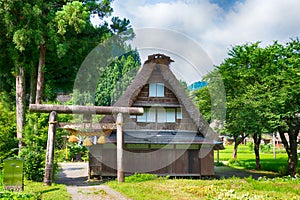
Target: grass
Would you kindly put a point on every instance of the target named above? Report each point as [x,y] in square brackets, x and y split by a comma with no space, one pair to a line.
[246,159]
[162,188]
[36,191]
[143,186]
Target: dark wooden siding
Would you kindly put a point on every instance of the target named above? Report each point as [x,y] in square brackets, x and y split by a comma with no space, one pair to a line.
[174,161]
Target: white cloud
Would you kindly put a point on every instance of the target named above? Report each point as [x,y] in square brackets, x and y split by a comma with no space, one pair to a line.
[212,27]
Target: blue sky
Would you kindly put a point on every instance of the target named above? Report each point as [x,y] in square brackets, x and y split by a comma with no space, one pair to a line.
[215,25]
[225,4]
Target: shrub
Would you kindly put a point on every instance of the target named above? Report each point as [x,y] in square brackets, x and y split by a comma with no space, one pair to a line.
[235,162]
[251,146]
[34,162]
[75,149]
[219,164]
[265,148]
[19,195]
[8,141]
[141,177]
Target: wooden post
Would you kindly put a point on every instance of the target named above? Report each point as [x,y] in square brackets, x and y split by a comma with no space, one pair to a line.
[50,149]
[120,142]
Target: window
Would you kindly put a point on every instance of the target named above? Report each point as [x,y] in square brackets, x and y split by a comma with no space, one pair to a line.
[160,115]
[170,115]
[151,115]
[156,90]
[142,118]
[178,113]
[148,116]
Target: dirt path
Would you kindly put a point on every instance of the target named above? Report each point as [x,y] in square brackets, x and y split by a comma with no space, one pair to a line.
[75,176]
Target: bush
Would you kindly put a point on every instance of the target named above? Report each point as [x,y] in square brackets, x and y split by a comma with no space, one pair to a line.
[140,177]
[265,148]
[8,141]
[235,162]
[218,164]
[34,162]
[251,146]
[75,149]
[19,195]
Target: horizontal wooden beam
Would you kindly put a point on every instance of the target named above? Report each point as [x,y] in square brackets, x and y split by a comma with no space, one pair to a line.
[95,126]
[105,110]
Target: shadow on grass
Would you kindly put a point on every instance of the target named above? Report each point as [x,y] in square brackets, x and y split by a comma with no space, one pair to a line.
[278,165]
[229,172]
[49,190]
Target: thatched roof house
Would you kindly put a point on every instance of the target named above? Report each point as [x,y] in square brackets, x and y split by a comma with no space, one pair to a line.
[171,138]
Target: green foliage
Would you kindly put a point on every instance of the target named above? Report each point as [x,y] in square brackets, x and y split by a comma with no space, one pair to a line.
[251,146]
[116,78]
[140,177]
[203,101]
[35,141]
[261,92]
[19,195]
[8,142]
[34,162]
[217,164]
[73,14]
[234,162]
[266,148]
[75,149]
[64,28]
[36,130]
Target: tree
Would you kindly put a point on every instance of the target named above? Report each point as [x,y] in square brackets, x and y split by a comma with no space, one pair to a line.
[116,78]
[262,96]
[282,90]
[33,28]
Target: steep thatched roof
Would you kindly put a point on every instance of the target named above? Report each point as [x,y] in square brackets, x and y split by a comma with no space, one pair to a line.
[141,79]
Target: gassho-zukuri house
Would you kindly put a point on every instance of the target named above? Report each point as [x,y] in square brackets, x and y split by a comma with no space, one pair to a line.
[170,138]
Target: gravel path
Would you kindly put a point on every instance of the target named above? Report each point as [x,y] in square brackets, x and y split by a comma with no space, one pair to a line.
[75,176]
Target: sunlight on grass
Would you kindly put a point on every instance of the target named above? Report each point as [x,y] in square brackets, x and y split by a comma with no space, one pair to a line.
[36,191]
[246,159]
[278,188]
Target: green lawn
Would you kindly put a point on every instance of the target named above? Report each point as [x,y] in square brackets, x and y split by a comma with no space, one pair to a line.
[246,158]
[152,187]
[36,191]
[233,188]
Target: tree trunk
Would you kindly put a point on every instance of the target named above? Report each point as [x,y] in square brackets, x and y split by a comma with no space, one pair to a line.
[257,139]
[237,142]
[20,103]
[291,147]
[32,85]
[293,157]
[235,148]
[40,77]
